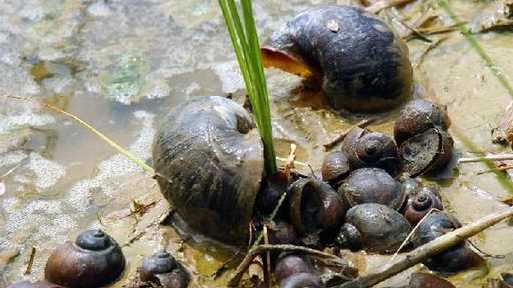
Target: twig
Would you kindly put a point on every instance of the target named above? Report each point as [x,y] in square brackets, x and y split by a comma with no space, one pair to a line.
[234,282]
[362,124]
[497,157]
[378,6]
[31,261]
[267,262]
[428,49]
[428,250]
[500,169]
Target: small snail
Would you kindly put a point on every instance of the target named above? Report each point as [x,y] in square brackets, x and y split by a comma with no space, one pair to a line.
[425,280]
[39,284]
[507,280]
[335,168]
[455,259]
[363,65]
[93,260]
[295,271]
[418,116]
[210,158]
[315,206]
[374,227]
[365,148]
[425,146]
[372,185]
[421,200]
[163,269]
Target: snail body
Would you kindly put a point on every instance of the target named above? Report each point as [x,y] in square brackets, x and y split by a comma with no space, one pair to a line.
[163,269]
[452,260]
[93,260]
[365,148]
[372,185]
[425,146]
[362,64]
[373,227]
[210,158]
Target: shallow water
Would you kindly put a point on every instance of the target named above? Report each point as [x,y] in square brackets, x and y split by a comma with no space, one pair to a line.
[120,64]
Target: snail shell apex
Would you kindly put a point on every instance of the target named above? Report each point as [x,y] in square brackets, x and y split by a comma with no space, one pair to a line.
[211,159]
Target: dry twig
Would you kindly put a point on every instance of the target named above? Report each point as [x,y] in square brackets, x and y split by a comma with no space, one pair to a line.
[496,157]
[31,261]
[362,124]
[378,6]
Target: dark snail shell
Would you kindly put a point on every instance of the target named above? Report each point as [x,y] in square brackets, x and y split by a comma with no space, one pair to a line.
[39,284]
[314,206]
[365,148]
[291,264]
[373,227]
[420,202]
[335,168]
[507,280]
[272,189]
[372,185]
[452,260]
[93,260]
[282,232]
[418,116]
[362,64]
[210,159]
[426,152]
[302,280]
[425,280]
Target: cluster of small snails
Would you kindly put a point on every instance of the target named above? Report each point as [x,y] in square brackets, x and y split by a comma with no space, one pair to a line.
[95,259]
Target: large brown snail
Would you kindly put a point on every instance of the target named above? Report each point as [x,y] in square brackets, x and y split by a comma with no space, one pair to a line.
[162,269]
[372,185]
[452,260]
[210,160]
[93,260]
[362,65]
[365,148]
[425,146]
[373,227]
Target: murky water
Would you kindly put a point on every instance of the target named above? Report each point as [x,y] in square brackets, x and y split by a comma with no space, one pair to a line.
[119,64]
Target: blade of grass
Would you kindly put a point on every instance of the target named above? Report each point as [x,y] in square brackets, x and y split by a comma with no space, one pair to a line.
[247,49]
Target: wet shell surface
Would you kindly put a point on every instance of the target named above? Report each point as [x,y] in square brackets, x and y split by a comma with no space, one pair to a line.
[93,260]
[362,64]
[379,228]
[210,157]
[372,185]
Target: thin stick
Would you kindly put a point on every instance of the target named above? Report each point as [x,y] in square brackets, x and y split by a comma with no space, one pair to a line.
[378,6]
[267,262]
[497,157]
[428,250]
[362,124]
[31,261]
[499,169]
[243,266]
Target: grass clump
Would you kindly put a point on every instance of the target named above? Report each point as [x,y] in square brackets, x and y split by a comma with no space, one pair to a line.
[247,49]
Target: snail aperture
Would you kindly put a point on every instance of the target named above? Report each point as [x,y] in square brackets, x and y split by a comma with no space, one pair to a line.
[210,157]
[93,260]
[362,65]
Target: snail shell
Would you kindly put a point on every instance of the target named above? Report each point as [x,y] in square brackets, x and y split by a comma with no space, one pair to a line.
[281,232]
[365,148]
[302,280]
[315,206]
[211,160]
[418,116]
[427,152]
[93,260]
[372,185]
[420,201]
[363,65]
[335,168]
[374,227]
[161,268]
[39,284]
[455,259]
[507,280]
